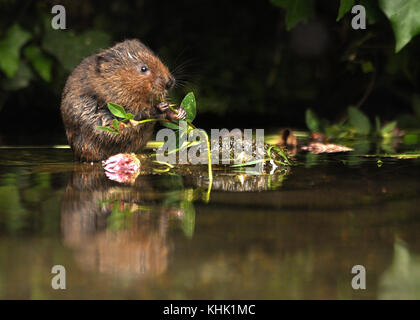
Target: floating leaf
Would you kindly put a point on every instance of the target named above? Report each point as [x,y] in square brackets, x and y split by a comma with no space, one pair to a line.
[405,19]
[345,6]
[359,121]
[10,47]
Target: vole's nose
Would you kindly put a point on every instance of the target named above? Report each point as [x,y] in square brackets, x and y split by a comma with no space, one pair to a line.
[170,83]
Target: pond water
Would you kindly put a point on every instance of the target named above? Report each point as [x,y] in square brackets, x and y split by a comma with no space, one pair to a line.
[287,236]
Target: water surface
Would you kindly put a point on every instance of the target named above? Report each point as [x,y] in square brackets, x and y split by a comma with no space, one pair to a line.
[288,236]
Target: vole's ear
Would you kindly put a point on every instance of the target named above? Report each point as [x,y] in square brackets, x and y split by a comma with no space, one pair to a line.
[102,61]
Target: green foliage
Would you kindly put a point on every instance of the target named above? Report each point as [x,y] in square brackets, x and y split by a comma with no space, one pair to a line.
[345,6]
[296,11]
[190,106]
[404,15]
[405,19]
[312,121]
[20,80]
[10,47]
[41,63]
[359,121]
[357,124]
[117,110]
[70,48]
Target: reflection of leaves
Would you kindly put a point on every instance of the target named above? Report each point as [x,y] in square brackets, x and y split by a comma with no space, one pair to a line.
[10,47]
[405,19]
[70,49]
[120,216]
[188,221]
[41,63]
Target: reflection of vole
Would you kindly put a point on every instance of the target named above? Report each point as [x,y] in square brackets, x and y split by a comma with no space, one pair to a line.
[128,74]
[139,247]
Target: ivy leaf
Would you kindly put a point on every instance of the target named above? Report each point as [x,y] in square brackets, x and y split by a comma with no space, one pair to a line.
[40,62]
[345,6]
[405,19]
[190,106]
[10,47]
[359,121]
[296,11]
[312,121]
[117,110]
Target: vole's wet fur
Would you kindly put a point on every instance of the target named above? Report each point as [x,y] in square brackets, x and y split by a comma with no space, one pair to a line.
[128,74]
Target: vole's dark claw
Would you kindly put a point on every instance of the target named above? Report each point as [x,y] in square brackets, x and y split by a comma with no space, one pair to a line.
[181,113]
[163,107]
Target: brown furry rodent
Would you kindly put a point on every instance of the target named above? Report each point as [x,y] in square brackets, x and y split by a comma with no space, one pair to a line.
[128,74]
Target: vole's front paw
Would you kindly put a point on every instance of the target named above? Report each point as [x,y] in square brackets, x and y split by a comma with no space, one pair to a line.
[181,113]
[176,116]
[163,107]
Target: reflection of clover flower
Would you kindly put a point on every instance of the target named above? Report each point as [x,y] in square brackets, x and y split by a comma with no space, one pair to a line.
[122,167]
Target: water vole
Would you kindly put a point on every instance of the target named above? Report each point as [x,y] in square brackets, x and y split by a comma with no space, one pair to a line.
[128,74]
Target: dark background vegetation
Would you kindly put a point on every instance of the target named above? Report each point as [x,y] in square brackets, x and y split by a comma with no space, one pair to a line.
[245,68]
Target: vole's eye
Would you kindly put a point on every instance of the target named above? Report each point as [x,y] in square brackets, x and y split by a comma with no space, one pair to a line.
[144,69]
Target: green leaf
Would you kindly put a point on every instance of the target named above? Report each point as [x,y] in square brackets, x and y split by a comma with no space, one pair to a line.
[116,125]
[170,125]
[10,47]
[117,110]
[129,116]
[345,6]
[190,106]
[359,121]
[108,129]
[367,67]
[388,127]
[296,11]
[312,121]
[405,19]
[41,63]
